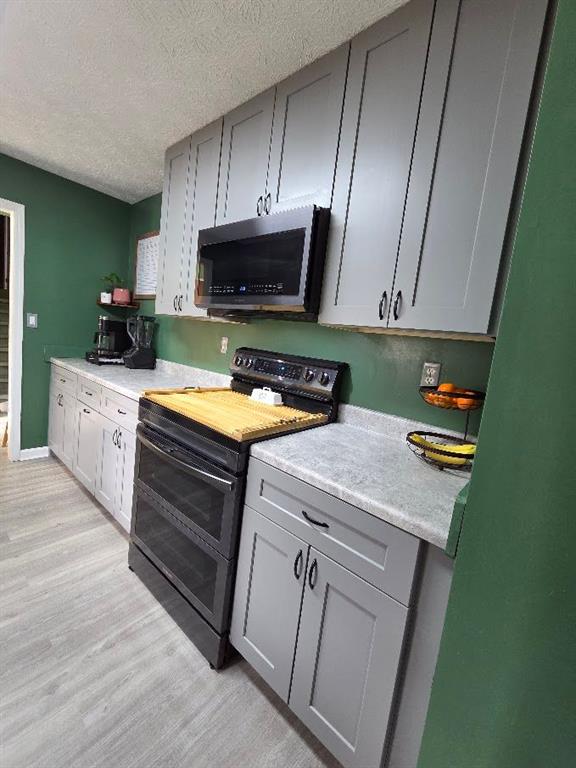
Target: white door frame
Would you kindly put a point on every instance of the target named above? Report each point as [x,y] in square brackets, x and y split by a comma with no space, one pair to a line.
[15,213]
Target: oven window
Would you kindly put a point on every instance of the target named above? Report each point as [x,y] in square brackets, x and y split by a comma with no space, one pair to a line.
[254,266]
[196,569]
[201,503]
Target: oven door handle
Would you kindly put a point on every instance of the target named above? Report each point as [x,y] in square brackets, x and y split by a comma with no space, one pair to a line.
[228,484]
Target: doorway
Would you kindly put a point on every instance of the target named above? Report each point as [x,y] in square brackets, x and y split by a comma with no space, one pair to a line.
[11,324]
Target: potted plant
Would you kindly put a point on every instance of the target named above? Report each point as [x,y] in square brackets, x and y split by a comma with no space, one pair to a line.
[116,293]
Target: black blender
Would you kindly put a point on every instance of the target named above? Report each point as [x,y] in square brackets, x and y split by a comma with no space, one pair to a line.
[141,354]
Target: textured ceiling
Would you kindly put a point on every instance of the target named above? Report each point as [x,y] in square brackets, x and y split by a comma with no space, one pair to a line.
[95,90]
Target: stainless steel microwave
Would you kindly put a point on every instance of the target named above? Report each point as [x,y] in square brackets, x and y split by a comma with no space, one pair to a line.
[270,264]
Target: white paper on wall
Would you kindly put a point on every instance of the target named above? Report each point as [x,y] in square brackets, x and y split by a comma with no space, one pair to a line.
[146,266]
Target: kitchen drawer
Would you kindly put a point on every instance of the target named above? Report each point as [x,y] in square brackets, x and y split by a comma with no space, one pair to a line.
[63,380]
[119,409]
[381,554]
[89,393]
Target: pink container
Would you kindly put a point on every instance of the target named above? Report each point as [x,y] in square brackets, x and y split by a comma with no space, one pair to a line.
[121,296]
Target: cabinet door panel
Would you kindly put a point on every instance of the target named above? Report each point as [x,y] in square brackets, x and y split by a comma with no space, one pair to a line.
[68,430]
[307,116]
[125,479]
[172,221]
[267,598]
[87,445]
[346,663]
[108,461]
[386,71]
[201,205]
[245,153]
[55,422]
[464,167]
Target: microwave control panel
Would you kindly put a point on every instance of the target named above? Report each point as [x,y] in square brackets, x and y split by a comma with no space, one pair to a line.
[246,289]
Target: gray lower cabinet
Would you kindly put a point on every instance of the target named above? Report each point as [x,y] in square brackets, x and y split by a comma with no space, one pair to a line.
[386,71]
[323,594]
[305,134]
[244,162]
[271,569]
[347,659]
[61,430]
[172,221]
[465,163]
[115,470]
[87,443]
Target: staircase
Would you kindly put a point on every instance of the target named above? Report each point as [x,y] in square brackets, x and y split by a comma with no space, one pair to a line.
[3,351]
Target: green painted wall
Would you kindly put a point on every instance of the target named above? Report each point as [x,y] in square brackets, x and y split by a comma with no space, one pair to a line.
[74,235]
[384,370]
[505,689]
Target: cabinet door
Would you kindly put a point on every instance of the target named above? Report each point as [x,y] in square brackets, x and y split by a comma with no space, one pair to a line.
[346,662]
[68,429]
[201,205]
[86,449]
[172,221]
[385,76]
[125,479]
[464,167]
[271,571]
[55,422]
[245,152]
[108,462]
[307,116]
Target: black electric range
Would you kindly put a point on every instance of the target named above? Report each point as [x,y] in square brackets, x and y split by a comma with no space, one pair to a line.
[189,492]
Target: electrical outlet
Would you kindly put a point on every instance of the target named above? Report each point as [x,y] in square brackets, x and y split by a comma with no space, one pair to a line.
[224,345]
[430,374]
[31,320]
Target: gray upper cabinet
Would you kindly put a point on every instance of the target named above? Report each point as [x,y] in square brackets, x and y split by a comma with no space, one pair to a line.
[386,71]
[465,163]
[305,134]
[346,662]
[172,220]
[202,191]
[271,570]
[245,154]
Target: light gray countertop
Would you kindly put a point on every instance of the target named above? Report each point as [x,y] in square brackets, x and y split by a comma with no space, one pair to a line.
[132,382]
[364,460]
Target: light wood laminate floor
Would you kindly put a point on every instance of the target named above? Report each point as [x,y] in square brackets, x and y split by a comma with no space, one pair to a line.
[93,673]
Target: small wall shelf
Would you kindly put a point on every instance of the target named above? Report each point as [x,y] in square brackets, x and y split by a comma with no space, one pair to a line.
[133,305]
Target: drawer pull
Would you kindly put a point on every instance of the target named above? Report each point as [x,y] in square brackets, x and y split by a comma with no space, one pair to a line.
[86,410]
[314,522]
[87,393]
[312,573]
[298,565]
[122,413]
[63,381]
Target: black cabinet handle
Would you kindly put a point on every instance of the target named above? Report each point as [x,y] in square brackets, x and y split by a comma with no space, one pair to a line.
[268,202]
[174,304]
[119,440]
[312,573]
[397,303]
[298,565]
[382,305]
[115,437]
[259,205]
[86,410]
[122,413]
[87,393]
[314,522]
[180,304]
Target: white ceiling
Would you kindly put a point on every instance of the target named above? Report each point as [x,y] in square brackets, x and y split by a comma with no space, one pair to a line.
[95,90]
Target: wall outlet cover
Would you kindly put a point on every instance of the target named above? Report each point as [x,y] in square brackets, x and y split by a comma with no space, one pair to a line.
[224,345]
[31,320]
[430,374]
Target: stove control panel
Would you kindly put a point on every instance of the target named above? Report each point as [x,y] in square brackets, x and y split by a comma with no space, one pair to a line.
[318,378]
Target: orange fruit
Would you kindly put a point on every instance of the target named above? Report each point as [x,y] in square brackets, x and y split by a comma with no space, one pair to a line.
[447,387]
[465,403]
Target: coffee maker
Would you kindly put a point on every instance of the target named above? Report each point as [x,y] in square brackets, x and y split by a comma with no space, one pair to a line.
[111,340]
[141,331]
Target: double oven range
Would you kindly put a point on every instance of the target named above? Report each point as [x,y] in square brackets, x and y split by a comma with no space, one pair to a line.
[189,491]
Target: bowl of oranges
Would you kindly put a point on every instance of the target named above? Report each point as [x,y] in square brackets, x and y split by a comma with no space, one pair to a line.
[448,395]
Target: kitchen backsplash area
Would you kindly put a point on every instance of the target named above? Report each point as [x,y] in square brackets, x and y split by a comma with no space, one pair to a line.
[384,369]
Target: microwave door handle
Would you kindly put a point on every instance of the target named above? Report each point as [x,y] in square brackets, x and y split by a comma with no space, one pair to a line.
[185,466]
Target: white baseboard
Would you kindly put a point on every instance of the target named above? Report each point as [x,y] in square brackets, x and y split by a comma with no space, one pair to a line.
[34,453]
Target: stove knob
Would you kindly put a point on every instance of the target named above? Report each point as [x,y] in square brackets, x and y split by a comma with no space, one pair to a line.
[309,374]
[249,362]
[238,361]
[324,379]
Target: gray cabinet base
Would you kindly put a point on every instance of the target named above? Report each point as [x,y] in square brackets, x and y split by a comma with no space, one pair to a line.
[213,646]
